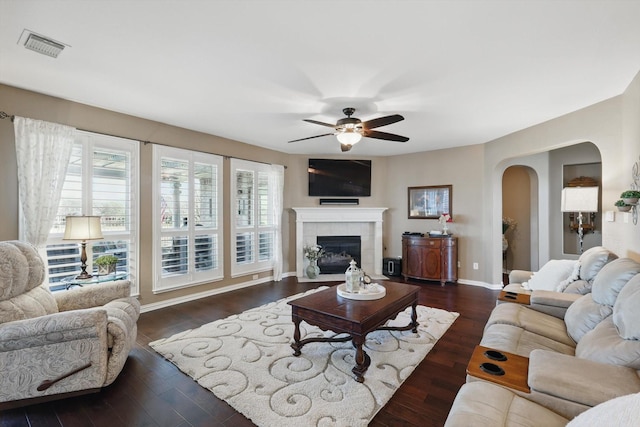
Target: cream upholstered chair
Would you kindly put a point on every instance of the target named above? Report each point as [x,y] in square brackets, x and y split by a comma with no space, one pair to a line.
[58,344]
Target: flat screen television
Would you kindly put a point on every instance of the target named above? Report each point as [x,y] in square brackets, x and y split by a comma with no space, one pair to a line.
[339,178]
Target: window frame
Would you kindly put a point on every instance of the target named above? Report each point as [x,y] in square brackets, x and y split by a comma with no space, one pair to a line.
[192,277]
[89,142]
[256,265]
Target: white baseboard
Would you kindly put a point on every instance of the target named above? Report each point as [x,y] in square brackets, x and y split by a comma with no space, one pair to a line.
[322,278]
[491,286]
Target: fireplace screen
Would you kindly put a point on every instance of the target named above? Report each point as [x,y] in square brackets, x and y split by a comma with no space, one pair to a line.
[339,251]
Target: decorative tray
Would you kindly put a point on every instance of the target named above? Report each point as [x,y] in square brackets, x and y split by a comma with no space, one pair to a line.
[373,291]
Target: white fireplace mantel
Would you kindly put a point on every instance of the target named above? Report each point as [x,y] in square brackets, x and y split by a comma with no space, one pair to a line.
[335,214]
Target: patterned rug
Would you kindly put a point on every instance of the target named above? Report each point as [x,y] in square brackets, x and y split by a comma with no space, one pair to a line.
[246,360]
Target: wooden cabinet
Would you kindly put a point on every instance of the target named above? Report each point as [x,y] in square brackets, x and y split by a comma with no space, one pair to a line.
[430,258]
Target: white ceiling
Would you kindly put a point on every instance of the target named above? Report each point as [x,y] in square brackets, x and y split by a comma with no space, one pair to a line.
[460,72]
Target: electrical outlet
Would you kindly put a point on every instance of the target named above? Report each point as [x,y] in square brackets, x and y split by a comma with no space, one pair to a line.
[255,277]
[475,266]
[458,264]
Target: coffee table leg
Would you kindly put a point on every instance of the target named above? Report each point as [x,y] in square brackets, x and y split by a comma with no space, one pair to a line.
[362,359]
[414,317]
[296,336]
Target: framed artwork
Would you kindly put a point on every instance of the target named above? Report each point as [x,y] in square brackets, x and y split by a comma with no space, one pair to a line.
[430,202]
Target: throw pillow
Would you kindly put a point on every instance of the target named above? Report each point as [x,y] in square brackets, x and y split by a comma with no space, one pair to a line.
[575,275]
[551,274]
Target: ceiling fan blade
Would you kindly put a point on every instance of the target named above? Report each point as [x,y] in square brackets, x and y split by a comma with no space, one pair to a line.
[384,135]
[315,122]
[311,137]
[382,121]
[345,147]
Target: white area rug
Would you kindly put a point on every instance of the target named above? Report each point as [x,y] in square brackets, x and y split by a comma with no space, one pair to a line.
[246,360]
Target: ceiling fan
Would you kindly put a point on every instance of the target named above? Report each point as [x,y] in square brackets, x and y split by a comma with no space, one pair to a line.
[350,130]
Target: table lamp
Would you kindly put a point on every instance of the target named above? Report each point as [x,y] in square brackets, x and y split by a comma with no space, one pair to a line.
[579,199]
[83,228]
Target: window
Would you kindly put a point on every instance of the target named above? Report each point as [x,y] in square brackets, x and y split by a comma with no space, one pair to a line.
[102,179]
[187,221]
[253,227]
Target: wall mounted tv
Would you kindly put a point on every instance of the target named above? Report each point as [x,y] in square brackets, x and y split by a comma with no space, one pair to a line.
[339,178]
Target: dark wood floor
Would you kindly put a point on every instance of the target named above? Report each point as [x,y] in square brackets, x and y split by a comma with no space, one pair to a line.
[151,391]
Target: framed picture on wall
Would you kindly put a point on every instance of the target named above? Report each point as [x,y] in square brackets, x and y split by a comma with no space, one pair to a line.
[430,202]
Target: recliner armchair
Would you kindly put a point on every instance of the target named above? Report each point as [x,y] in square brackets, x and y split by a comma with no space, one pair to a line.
[54,345]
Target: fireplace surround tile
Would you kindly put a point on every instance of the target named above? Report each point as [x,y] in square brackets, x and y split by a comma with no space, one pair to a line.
[336,221]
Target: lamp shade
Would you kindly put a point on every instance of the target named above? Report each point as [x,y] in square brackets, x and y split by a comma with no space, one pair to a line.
[579,199]
[82,228]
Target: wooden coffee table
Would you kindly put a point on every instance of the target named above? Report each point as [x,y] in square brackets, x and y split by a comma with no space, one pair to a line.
[329,311]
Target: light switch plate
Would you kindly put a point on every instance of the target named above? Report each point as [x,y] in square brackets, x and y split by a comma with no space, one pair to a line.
[610,216]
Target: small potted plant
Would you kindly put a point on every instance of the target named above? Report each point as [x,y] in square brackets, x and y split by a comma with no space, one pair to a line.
[630,197]
[622,206]
[106,264]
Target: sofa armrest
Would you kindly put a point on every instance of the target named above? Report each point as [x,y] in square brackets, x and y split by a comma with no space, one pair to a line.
[53,328]
[67,350]
[552,303]
[519,276]
[94,295]
[578,380]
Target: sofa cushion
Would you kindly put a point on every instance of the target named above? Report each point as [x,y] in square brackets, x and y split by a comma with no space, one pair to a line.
[530,320]
[584,315]
[580,287]
[575,275]
[550,275]
[516,340]
[626,311]
[483,404]
[612,278]
[603,344]
[34,303]
[21,269]
[22,293]
[592,261]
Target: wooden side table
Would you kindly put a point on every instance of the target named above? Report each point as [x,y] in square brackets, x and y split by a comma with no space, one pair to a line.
[500,367]
[517,297]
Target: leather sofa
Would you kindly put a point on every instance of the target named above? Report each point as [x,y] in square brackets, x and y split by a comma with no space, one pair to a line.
[60,344]
[579,356]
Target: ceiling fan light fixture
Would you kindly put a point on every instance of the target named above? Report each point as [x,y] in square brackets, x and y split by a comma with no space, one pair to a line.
[349,137]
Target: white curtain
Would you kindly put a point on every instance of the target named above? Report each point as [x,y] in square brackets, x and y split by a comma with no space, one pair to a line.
[43,151]
[276,183]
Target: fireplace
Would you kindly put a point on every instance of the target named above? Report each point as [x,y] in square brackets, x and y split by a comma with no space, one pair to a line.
[339,251]
[312,222]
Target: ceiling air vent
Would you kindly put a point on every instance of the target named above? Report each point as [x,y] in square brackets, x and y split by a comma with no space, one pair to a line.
[44,46]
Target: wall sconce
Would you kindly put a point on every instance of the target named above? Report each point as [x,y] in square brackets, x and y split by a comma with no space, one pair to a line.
[83,228]
[580,199]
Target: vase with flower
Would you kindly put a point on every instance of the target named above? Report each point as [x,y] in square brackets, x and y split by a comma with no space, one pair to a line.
[443,220]
[507,224]
[313,253]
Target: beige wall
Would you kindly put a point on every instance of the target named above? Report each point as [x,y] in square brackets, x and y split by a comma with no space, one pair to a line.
[613,126]
[474,171]
[460,167]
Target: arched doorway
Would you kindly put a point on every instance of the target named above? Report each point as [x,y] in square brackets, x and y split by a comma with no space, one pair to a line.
[519,214]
